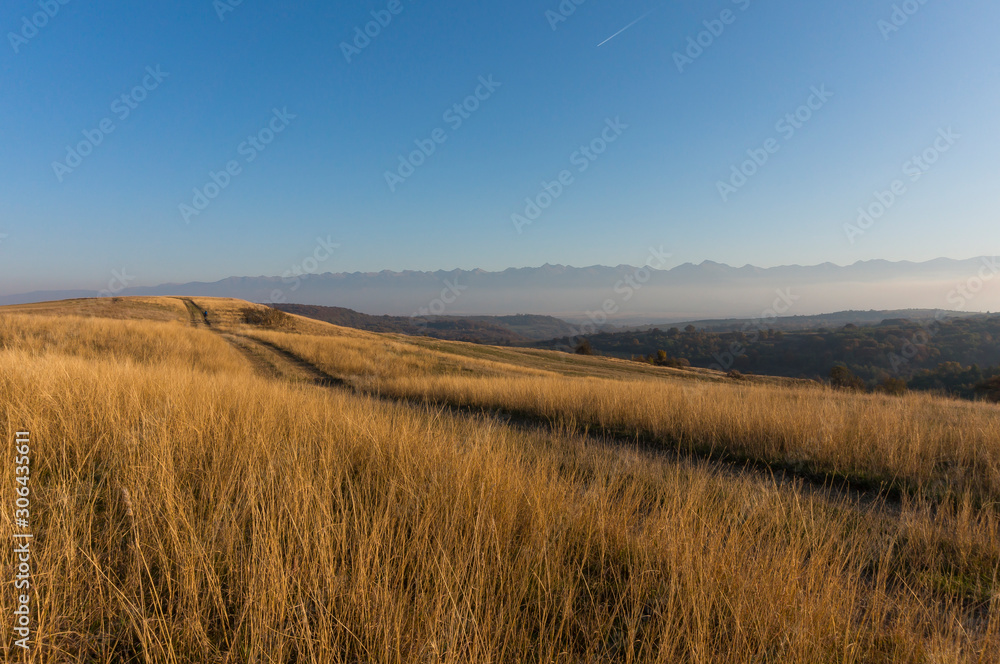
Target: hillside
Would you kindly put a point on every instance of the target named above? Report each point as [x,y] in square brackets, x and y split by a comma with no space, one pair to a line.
[813,322]
[950,355]
[478,329]
[203,489]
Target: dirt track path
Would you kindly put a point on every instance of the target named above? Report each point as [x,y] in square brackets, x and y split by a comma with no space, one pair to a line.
[198,319]
[268,359]
[862,496]
[275,362]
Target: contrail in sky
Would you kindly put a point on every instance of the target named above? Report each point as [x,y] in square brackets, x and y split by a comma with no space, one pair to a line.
[625,28]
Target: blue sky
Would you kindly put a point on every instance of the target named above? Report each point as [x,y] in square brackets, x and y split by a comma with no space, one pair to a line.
[324,173]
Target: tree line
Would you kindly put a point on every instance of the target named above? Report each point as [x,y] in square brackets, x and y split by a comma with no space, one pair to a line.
[960,356]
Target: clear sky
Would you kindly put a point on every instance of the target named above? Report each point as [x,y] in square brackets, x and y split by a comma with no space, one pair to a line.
[201,78]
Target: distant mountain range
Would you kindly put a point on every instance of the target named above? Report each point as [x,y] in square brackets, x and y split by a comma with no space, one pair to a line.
[625,295]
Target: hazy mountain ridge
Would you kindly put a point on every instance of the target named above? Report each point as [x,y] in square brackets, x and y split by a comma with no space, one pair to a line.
[630,295]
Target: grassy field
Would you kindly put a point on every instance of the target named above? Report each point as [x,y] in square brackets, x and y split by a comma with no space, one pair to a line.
[920,445]
[221,493]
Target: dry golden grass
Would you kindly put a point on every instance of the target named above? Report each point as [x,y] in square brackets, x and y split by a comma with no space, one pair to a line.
[223,310]
[120,308]
[124,341]
[367,356]
[917,443]
[187,511]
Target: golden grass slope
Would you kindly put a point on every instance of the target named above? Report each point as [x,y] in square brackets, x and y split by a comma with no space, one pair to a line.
[124,341]
[187,509]
[119,308]
[917,444]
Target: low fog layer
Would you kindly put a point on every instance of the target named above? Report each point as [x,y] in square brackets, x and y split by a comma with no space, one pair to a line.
[624,294]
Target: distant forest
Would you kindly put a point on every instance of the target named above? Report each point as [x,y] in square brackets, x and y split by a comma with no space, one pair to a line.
[493,330]
[960,356]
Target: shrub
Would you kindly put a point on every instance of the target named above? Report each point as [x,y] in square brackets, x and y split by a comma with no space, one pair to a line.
[842,378]
[990,388]
[266,317]
[893,386]
[661,359]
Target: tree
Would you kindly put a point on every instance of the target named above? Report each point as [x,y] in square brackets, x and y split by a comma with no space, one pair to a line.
[894,386]
[990,388]
[690,328]
[584,348]
[842,378]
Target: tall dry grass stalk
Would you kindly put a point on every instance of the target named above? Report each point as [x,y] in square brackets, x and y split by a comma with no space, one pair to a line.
[124,341]
[919,444]
[185,515]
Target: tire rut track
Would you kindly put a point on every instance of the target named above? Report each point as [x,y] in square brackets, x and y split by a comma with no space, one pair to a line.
[837,491]
[862,495]
[284,363]
[197,314]
[275,362]
[268,359]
